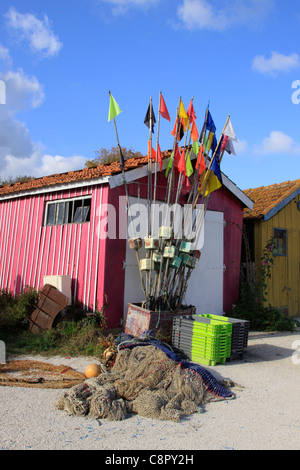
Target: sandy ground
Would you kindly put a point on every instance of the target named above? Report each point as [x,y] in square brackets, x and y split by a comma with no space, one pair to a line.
[264,415]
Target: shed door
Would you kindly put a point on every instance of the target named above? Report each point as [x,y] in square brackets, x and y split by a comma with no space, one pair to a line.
[205,286]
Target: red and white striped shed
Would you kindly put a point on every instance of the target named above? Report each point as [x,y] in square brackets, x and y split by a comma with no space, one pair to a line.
[50,226]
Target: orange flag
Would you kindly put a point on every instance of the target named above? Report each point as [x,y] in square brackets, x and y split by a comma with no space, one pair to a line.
[153,153]
[194,132]
[159,157]
[200,161]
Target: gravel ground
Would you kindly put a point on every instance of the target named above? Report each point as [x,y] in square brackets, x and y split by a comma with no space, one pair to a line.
[264,414]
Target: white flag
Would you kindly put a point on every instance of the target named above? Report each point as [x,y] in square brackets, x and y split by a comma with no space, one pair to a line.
[230,148]
[229,131]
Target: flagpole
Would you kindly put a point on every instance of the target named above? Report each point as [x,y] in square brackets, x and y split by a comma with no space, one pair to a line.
[198,229]
[206,180]
[157,143]
[179,188]
[128,202]
[178,192]
[152,289]
[167,201]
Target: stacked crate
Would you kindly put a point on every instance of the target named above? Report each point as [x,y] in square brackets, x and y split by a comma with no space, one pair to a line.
[203,340]
[240,334]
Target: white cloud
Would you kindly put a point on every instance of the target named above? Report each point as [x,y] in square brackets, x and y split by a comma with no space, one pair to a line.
[58,164]
[199,14]
[276,63]
[15,138]
[278,142]
[22,91]
[121,6]
[38,165]
[221,14]
[5,55]
[38,33]
[19,154]
[240,147]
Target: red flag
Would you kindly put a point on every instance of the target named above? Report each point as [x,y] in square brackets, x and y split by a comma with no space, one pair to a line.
[224,142]
[181,164]
[191,112]
[194,132]
[200,161]
[153,153]
[186,186]
[176,156]
[163,109]
[159,157]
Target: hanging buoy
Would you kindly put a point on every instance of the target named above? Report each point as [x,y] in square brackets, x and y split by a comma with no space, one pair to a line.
[146,264]
[175,262]
[165,232]
[186,247]
[135,243]
[151,243]
[169,252]
[189,261]
[157,257]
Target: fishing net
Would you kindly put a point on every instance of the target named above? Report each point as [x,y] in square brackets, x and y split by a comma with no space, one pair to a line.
[37,374]
[144,380]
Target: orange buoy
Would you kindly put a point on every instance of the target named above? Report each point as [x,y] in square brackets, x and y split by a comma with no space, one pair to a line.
[92,370]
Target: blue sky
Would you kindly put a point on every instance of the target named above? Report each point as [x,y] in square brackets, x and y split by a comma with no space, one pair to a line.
[59,59]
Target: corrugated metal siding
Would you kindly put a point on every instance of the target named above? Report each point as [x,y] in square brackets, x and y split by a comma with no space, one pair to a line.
[29,249]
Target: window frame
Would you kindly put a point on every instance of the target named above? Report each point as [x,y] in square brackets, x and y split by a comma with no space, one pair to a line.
[276,232]
[69,210]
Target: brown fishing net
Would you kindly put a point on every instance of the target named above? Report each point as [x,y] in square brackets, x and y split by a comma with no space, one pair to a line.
[143,380]
[36,374]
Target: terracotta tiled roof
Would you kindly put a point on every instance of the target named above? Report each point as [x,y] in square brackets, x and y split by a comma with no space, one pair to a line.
[79,175]
[266,198]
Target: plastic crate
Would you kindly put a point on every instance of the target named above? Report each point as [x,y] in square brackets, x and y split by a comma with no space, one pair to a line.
[208,362]
[205,325]
[202,339]
[240,334]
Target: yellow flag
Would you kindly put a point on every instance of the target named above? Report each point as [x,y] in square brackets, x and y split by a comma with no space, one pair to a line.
[209,142]
[208,183]
[183,115]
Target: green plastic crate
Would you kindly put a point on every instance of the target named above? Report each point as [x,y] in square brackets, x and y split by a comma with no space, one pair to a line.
[206,361]
[204,340]
[239,337]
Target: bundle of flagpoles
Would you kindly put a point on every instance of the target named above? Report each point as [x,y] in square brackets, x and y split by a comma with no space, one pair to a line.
[170,260]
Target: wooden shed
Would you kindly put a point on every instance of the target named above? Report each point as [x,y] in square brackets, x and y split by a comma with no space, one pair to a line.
[276,214]
[55,226]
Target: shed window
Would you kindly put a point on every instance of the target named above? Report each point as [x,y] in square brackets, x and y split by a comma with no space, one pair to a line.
[280,239]
[69,211]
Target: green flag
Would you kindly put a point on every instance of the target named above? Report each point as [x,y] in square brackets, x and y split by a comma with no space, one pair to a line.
[196,148]
[114,108]
[169,164]
[189,166]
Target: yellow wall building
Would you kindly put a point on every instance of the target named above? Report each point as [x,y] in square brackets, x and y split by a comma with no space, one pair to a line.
[276,213]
